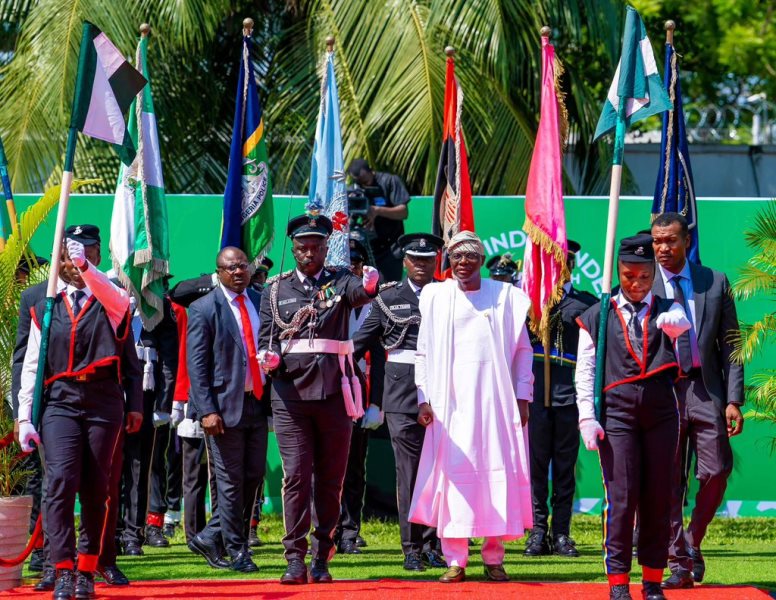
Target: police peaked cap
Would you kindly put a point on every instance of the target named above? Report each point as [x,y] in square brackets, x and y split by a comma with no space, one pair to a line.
[309,225]
[88,235]
[420,244]
[636,249]
[499,265]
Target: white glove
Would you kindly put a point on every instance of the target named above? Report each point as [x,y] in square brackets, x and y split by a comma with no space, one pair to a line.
[373,418]
[27,434]
[75,250]
[161,418]
[270,424]
[177,415]
[591,431]
[369,279]
[269,360]
[673,323]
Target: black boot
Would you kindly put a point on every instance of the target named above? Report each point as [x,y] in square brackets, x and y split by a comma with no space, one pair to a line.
[319,571]
[538,544]
[46,583]
[155,538]
[563,545]
[84,585]
[621,591]
[64,586]
[652,591]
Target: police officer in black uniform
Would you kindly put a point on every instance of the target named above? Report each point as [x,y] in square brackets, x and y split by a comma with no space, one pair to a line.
[304,346]
[503,268]
[394,322]
[553,431]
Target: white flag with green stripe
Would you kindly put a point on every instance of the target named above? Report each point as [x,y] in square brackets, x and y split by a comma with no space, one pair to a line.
[139,239]
[636,80]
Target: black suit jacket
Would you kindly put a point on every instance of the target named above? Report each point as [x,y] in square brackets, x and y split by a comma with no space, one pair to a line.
[216,357]
[164,339]
[715,322]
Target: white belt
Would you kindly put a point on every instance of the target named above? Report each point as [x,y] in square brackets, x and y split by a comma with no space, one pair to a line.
[317,346]
[406,357]
[351,386]
[146,353]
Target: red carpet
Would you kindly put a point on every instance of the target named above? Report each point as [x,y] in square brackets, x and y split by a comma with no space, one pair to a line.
[390,590]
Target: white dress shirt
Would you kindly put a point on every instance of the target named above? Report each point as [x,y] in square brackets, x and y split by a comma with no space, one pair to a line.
[231,298]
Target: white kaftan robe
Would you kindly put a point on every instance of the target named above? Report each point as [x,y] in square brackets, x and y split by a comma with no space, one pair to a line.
[473,362]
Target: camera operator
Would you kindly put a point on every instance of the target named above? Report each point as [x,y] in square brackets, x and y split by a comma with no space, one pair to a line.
[385,209]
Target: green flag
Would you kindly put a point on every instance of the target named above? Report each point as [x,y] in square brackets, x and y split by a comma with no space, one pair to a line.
[139,239]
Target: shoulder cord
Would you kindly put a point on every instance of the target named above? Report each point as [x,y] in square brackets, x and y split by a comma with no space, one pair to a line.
[395,321]
[300,317]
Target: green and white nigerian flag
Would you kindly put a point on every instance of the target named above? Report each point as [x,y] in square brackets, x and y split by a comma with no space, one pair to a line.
[636,80]
[105,87]
[139,238]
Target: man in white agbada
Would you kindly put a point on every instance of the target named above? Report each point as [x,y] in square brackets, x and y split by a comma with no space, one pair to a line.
[474,378]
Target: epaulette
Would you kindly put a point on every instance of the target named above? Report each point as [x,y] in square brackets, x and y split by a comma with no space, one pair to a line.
[279,276]
[388,285]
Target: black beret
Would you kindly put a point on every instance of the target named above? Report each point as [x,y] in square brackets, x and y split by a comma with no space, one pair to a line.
[88,235]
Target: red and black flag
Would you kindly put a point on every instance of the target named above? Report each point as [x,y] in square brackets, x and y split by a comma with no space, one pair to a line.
[453,210]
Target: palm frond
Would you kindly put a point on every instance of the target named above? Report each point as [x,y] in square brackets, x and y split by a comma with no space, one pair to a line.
[757,276]
[762,234]
[752,338]
[761,396]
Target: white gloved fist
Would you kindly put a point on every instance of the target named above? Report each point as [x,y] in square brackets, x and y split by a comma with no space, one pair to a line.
[373,418]
[673,323]
[370,278]
[177,415]
[591,431]
[161,418]
[75,250]
[27,434]
[269,360]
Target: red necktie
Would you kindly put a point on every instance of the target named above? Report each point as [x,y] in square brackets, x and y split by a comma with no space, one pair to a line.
[250,342]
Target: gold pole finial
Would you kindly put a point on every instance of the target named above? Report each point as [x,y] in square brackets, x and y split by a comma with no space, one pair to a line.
[546,32]
[145,30]
[450,51]
[247,26]
[330,43]
[670,26]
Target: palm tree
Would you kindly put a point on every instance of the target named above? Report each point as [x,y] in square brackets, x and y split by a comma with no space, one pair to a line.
[390,66]
[758,278]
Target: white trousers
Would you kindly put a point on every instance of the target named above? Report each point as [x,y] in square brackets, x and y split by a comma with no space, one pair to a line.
[456,551]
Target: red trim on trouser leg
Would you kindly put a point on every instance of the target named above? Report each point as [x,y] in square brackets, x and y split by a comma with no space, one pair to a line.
[651,575]
[64,564]
[254,522]
[87,562]
[155,519]
[619,578]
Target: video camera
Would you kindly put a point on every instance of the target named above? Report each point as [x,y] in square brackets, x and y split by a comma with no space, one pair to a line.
[358,203]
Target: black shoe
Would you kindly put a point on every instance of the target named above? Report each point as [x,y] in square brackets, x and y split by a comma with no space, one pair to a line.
[319,571]
[652,591]
[621,591]
[349,547]
[46,583]
[679,580]
[37,559]
[296,573]
[242,563]
[168,530]
[563,545]
[433,559]
[84,585]
[209,552]
[537,544]
[360,542]
[113,575]
[155,538]
[132,548]
[698,564]
[254,541]
[413,562]
[64,586]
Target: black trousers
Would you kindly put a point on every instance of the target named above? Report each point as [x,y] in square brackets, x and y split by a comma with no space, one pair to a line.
[702,431]
[553,435]
[80,426]
[256,517]
[314,441]
[109,546]
[638,452]
[138,452]
[407,442]
[195,482]
[166,472]
[240,460]
[353,486]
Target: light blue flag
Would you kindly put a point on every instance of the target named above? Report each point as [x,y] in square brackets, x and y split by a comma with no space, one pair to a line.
[327,174]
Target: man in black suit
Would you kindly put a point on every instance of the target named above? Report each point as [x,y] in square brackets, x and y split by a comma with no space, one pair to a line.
[553,430]
[710,390]
[316,395]
[226,389]
[394,322]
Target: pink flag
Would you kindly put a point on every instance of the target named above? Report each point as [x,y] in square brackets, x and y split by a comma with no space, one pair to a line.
[544,267]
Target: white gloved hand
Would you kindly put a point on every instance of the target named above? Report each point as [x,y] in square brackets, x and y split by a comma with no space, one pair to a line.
[75,250]
[373,418]
[269,360]
[369,279]
[673,323]
[27,434]
[177,415]
[591,431]
[161,418]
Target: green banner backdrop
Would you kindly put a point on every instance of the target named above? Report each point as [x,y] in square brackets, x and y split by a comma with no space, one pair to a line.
[195,225]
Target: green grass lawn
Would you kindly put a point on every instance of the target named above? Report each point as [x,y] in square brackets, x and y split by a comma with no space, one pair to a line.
[737,551]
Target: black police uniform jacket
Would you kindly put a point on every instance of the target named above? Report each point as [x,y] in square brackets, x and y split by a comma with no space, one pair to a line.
[564,339]
[396,300]
[164,339]
[308,376]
